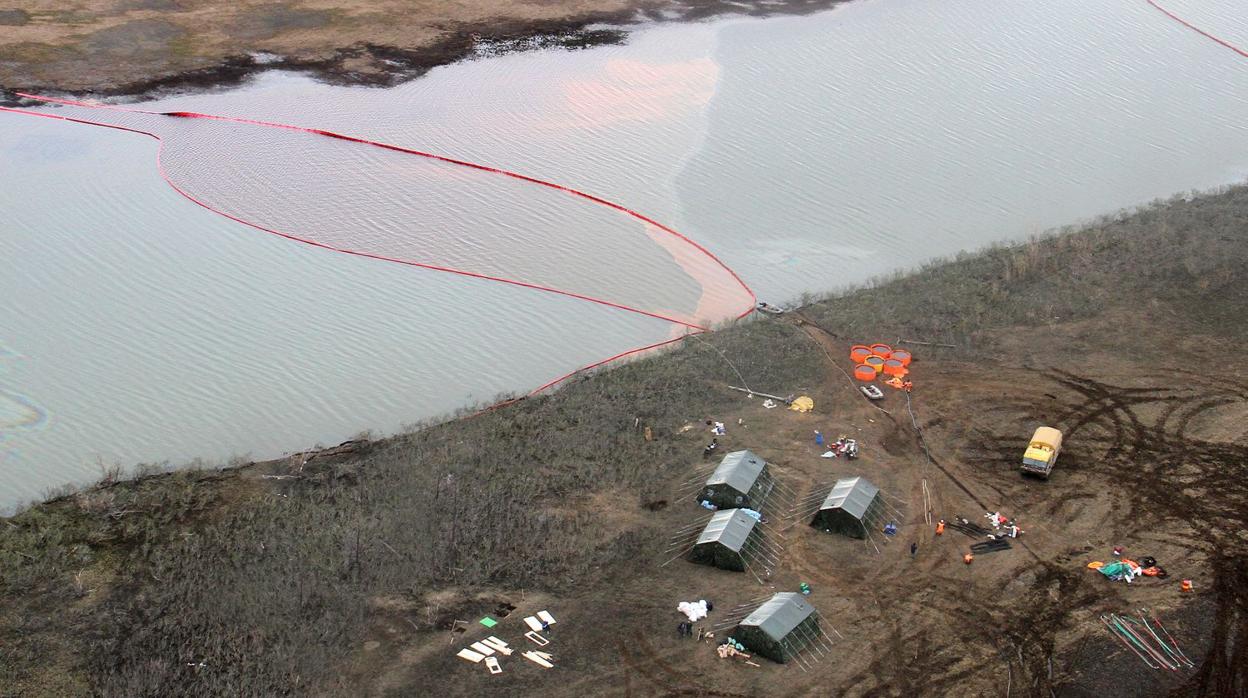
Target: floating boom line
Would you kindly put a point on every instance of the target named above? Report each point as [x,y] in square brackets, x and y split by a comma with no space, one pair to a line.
[688,325]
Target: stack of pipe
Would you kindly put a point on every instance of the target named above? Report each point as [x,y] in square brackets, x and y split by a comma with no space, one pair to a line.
[1157,649]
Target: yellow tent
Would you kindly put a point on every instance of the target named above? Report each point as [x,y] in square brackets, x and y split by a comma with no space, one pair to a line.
[802,404]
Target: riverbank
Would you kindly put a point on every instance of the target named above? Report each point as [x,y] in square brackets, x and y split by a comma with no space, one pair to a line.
[343,573]
[107,48]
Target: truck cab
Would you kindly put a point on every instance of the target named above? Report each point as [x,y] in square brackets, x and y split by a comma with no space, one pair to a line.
[1042,452]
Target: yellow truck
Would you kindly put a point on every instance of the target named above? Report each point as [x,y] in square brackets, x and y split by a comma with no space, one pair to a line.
[1042,452]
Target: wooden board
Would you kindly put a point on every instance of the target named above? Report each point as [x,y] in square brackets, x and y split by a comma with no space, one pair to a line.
[532,657]
[498,644]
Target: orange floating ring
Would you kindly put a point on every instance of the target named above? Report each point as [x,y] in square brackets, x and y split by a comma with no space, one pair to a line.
[881,350]
[864,373]
[859,353]
[901,355]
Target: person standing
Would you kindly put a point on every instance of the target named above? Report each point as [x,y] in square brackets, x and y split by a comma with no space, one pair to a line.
[914,548]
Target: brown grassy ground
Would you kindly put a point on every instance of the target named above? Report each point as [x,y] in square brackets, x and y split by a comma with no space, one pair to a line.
[132,46]
[345,575]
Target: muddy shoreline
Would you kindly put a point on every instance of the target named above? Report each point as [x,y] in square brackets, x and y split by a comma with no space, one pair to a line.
[331,56]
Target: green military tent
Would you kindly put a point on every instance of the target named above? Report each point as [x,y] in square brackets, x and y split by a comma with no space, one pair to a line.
[729,539]
[852,508]
[740,482]
[780,628]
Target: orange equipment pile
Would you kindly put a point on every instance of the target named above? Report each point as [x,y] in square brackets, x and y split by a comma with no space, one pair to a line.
[881,359]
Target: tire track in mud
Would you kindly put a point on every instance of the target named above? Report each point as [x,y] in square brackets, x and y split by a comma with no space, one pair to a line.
[1139,438]
[1116,403]
[1153,461]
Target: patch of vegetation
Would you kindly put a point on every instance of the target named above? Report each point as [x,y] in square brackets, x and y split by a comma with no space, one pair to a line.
[35,52]
[58,559]
[1188,251]
[14,18]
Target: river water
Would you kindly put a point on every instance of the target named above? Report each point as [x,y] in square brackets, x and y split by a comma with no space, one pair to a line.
[807,153]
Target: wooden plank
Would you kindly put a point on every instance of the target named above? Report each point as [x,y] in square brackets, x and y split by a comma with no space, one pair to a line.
[483,648]
[538,660]
[498,645]
[470,655]
[534,624]
[545,615]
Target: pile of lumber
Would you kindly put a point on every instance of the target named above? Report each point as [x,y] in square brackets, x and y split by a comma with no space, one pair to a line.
[480,650]
[491,648]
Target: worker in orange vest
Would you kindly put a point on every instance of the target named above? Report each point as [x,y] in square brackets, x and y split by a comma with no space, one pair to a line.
[940,528]
[1186,585]
[967,558]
